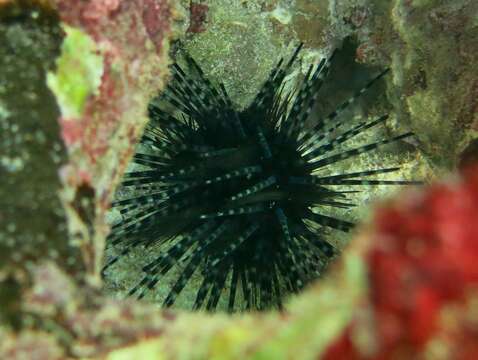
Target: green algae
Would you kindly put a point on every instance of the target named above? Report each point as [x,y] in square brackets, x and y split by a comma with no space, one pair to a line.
[76,77]
[239,47]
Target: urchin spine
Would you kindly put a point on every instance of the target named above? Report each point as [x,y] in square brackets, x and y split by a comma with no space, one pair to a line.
[236,194]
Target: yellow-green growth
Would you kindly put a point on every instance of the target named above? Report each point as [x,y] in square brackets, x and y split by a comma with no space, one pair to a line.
[78,73]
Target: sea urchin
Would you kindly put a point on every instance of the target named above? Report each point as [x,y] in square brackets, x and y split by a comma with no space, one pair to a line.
[234,194]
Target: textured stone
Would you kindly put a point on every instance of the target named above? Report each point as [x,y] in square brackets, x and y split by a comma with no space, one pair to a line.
[32,220]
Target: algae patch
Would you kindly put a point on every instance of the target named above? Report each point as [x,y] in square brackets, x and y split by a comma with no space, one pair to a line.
[76,77]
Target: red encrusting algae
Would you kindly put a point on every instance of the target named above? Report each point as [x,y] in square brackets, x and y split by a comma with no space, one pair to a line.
[132,39]
[423,276]
[197,17]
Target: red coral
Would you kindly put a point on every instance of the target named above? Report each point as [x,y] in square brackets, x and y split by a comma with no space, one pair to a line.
[343,348]
[423,260]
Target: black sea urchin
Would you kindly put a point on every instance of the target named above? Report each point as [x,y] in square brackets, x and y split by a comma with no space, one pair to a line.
[234,194]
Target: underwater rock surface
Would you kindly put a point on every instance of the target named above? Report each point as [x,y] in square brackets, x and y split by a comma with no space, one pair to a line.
[74,133]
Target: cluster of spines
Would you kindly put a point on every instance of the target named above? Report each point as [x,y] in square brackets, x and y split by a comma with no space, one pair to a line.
[194,159]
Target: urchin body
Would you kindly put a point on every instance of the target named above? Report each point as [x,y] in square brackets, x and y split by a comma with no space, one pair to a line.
[236,194]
